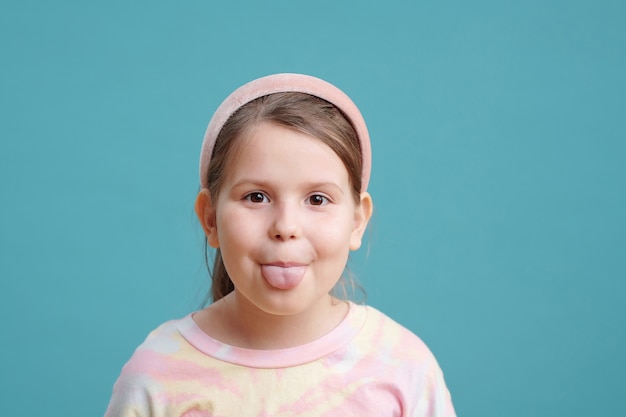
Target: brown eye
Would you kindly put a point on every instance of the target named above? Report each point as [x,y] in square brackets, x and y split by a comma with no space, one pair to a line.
[257,197]
[317,200]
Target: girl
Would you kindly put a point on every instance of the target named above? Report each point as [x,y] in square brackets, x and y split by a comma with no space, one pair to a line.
[284,170]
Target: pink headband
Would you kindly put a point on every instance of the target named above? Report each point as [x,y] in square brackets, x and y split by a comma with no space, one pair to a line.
[281,83]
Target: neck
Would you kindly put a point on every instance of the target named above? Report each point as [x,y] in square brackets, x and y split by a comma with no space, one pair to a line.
[245,325]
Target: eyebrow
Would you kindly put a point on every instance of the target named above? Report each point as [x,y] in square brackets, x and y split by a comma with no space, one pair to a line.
[267,184]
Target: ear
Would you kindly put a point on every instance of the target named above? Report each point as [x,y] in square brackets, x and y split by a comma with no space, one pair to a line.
[362,217]
[206,215]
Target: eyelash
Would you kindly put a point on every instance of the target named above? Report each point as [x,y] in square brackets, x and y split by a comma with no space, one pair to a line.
[258,197]
[324,200]
[249,197]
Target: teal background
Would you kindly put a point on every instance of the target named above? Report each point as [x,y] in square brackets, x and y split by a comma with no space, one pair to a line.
[499,180]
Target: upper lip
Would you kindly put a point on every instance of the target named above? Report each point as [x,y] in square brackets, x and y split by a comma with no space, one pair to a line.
[285,264]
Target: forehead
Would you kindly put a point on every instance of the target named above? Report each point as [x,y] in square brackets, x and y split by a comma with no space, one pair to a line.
[267,148]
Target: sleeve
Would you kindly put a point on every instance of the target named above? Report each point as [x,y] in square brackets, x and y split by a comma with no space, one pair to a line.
[131,397]
[136,391]
[434,399]
[440,398]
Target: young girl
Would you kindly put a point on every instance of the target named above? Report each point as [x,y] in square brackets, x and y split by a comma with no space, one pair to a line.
[284,170]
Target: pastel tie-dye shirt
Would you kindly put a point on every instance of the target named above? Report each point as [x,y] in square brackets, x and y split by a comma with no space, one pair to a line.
[368,366]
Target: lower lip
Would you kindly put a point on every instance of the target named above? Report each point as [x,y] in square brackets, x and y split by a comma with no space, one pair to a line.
[283,277]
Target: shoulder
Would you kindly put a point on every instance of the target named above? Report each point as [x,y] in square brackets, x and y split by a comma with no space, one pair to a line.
[386,333]
[150,368]
[163,341]
[396,352]
[398,357]
[160,343]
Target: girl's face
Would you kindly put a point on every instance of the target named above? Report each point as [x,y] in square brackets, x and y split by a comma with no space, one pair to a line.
[285,220]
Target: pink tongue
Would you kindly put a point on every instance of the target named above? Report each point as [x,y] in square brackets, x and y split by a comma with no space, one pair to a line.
[283,278]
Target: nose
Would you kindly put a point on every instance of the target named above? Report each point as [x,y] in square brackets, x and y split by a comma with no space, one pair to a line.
[286,223]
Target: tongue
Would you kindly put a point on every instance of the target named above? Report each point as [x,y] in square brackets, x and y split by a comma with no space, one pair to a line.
[283,278]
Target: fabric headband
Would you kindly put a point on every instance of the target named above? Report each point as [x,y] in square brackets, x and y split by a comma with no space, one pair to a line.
[282,83]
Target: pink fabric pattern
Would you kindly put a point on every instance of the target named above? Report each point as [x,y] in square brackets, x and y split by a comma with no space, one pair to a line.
[368,366]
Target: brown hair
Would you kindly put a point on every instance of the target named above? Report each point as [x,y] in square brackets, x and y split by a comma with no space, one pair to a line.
[299,111]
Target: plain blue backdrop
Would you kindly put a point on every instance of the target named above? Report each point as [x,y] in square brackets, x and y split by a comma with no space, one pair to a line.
[499,144]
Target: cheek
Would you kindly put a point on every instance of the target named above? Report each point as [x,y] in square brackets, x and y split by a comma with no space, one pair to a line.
[228,227]
[334,237]
[237,228]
